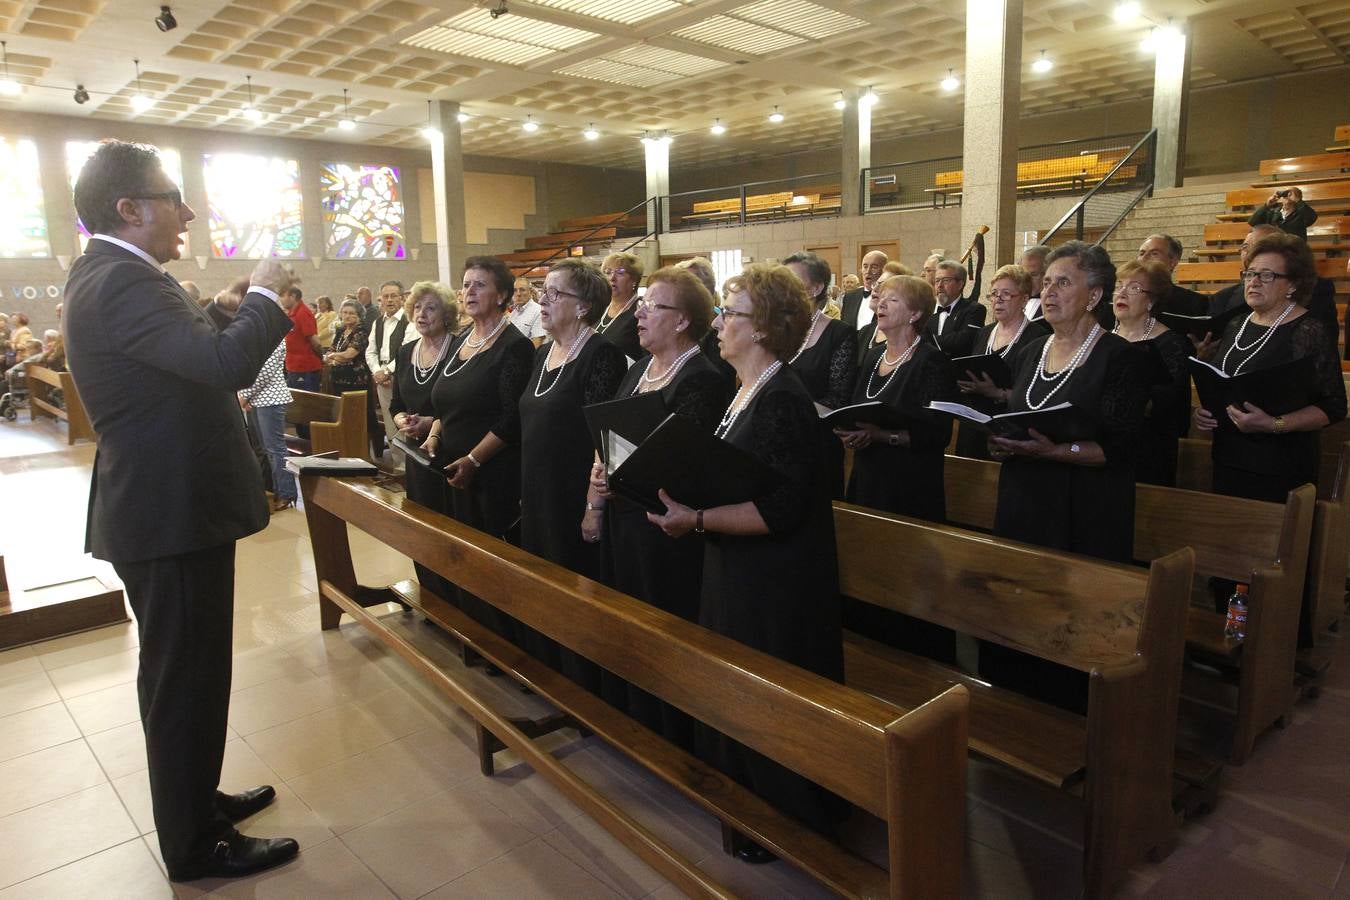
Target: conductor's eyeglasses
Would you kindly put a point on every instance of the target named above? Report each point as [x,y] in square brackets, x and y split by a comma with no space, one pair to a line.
[175,197]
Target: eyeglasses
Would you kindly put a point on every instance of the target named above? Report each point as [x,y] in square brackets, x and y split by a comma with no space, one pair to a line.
[175,197]
[650,305]
[943,279]
[1265,276]
[1002,295]
[609,272]
[551,295]
[728,314]
[1133,288]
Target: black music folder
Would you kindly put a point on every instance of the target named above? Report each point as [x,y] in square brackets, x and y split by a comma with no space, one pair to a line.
[1061,423]
[693,466]
[871,412]
[991,364]
[412,451]
[1202,325]
[632,418]
[1276,390]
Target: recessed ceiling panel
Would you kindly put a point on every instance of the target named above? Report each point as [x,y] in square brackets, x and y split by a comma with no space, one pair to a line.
[625,12]
[799,17]
[513,40]
[739,35]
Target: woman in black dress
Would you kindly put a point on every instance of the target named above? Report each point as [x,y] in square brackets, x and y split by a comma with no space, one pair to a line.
[618,322]
[826,362]
[346,361]
[673,316]
[1010,331]
[1140,287]
[573,369]
[1076,495]
[770,574]
[475,399]
[416,370]
[1257,455]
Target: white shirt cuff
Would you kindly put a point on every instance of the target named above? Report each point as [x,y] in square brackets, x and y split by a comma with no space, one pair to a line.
[266,292]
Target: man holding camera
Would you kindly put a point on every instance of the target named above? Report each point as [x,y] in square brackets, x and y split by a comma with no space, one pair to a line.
[1286,211]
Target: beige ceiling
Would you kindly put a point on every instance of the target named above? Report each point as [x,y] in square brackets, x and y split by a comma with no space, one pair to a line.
[626,66]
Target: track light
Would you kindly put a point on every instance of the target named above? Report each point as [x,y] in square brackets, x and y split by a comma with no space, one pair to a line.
[8,86]
[165,20]
[529,125]
[81,95]
[139,101]
[590,133]
[951,82]
[498,10]
[429,131]
[718,127]
[776,116]
[251,112]
[346,123]
[1042,65]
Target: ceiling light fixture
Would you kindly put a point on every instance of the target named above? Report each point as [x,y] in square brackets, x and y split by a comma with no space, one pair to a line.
[81,95]
[951,82]
[346,123]
[870,98]
[840,102]
[1042,65]
[658,137]
[461,117]
[529,125]
[1125,12]
[8,86]
[776,116]
[590,133]
[251,112]
[139,101]
[718,127]
[429,131]
[165,20]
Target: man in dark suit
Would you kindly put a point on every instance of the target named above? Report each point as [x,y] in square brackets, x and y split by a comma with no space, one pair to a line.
[957,320]
[1167,250]
[174,486]
[854,310]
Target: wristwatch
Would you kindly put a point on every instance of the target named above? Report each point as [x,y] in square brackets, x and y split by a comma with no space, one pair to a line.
[894,439]
[1277,427]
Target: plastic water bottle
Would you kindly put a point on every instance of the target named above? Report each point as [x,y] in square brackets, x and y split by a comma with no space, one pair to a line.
[1236,626]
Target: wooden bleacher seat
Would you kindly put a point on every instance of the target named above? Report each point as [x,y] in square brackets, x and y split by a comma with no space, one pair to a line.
[1309,169]
[904,765]
[41,381]
[557,239]
[335,423]
[1122,626]
[1224,239]
[1058,173]
[1329,198]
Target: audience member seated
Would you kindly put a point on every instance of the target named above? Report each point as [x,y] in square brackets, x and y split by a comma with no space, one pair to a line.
[1165,249]
[525,312]
[1010,331]
[617,323]
[1286,210]
[853,308]
[1139,285]
[957,320]
[53,351]
[324,321]
[1255,454]
[1033,261]
[20,333]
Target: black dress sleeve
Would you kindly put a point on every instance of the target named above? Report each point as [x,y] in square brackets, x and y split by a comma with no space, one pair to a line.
[607,370]
[785,434]
[1309,338]
[701,397]
[404,365]
[932,431]
[1123,400]
[511,383]
[1171,399]
[843,366]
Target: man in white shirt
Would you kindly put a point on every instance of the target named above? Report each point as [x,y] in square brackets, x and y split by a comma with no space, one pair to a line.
[524,312]
[387,334]
[1033,260]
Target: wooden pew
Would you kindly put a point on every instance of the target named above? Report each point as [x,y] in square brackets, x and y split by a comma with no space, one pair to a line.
[41,381]
[1122,626]
[1262,544]
[335,423]
[905,766]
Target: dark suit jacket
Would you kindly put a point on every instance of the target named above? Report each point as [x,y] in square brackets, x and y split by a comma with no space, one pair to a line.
[1299,219]
[963,324]
[1185,301]
[849,305]
[173,472]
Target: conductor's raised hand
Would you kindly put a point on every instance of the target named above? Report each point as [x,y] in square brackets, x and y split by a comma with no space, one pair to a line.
[274,275]
[678,519]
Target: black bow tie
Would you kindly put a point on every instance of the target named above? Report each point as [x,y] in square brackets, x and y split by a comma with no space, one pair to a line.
[943,310]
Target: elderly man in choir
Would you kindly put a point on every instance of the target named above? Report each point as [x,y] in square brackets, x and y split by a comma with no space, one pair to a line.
[1167,250]
[855,310]
[929,270]
[1032,262]
[956,321]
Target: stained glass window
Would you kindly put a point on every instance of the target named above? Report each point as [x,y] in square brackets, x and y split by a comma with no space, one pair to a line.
[363,211]
[23,227]
[78,153]
[254,205]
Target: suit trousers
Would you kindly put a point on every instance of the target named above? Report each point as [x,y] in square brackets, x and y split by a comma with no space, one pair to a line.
[184,608]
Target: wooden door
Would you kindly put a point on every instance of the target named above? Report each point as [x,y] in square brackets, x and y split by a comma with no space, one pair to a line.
[890,248]
[830,253]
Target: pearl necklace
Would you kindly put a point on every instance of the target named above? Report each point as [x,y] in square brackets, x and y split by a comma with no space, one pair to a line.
[1148,329]
[680,360]
[422,374]
[735,409]
[895,367]
[1065,374]
[475,349]
[607,320]
[989,347]
[572,352]
[809,331]
[1259,344]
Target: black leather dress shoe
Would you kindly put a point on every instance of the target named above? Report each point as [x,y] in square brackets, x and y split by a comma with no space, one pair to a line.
[754,854]
[238,807]
[236,855]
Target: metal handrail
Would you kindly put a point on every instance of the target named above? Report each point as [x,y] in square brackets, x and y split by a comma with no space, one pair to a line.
[1078,209]
[565,249]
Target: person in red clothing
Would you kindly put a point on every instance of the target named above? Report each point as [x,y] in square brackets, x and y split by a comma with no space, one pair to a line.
[303,363]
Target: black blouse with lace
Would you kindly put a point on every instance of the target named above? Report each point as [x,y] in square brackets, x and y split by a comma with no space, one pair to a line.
[1168,415]
[1281,461]
[829,367]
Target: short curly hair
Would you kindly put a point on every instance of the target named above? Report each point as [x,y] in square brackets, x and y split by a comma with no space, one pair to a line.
[779,308]
[691,296]
[1156,277]
[117,169]
[1091,259]
[502,278]
[1017,275]
[588,284]
[915,293]
[630,262]
[445,296]
[1298,262]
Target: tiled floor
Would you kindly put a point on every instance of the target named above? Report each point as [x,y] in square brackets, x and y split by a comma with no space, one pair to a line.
[377,777]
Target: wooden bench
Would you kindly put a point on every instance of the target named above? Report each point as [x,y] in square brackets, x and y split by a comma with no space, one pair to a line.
[1330,198]
[618,219]
[41,381]
[1224,239]
[335,423]
[907,767]
[1262,544]
[1335,165]
[557,239]
[1121,626]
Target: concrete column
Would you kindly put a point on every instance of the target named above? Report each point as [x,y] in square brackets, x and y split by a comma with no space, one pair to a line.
[447,169]
[856,153]
[989,146]
[1171,87]
[656,149]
